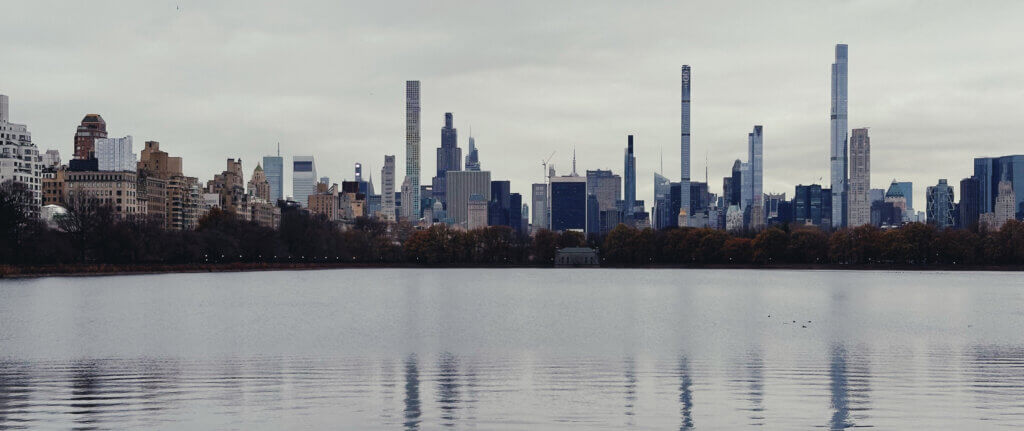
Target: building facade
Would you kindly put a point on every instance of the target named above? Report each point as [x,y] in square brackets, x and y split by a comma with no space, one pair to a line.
[412,149]
[839,135]
[539,192]
[93,127]
[629,170]
[461,185]
[449,157]
[387,193]
[940,205]
[20,161]
[303,178]
[115,154]
[568,203]
[859,195]
[684,141]
[273,168]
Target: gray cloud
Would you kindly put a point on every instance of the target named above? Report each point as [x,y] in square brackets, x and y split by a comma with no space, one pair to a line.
[938,82]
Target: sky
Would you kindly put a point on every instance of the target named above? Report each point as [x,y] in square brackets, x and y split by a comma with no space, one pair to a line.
[937,82]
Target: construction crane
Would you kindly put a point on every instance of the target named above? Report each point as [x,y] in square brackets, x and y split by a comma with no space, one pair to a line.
[544,164]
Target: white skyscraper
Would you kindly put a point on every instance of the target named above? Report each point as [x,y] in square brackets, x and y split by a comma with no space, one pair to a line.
[303,179]
[839,134]
[412,148]
[115,154]
[684,181]
[387,195]
[540,206]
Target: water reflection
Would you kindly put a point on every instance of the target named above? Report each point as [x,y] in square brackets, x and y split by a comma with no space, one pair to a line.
[412,394]
[448,388]
[755,393]
[848,383]
[630,405]
[85,395]
[15,391]
[685,394]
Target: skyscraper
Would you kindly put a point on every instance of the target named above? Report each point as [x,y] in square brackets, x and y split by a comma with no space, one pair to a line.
[540,206]
[449,157]
[968,209]
[412,147]
[736,198]
[630,174]
[755,157]
[461,186]
[273,167]
[472,157]
[684,181]
[839,135]
[606,186]
[990,171]
[940,205]
[387,196]
[258,184]
[303,179]
[568,203]
[859,194]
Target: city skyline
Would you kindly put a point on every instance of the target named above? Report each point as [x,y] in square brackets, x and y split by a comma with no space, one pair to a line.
[357,119]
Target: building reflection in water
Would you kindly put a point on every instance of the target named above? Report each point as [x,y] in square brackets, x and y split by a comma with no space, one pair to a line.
[630,376]
[685,395]
[412,394]
[85,394]
[756,391]
[15,390]
[448,388]
[848,383]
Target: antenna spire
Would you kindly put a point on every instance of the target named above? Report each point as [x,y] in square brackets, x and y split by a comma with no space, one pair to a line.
[574,162]
[278,149]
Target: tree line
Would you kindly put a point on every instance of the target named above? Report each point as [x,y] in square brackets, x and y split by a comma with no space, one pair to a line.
[94,234]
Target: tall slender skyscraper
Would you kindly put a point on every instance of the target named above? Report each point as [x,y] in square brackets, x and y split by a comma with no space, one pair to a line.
[839,134]
[387,195]
[412,148]
[684,181]
[755,156]
[449,157]
[630,173]
[858,196]
[472,157]
[273,167]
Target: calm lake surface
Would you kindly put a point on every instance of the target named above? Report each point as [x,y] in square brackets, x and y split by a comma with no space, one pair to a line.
[522,349]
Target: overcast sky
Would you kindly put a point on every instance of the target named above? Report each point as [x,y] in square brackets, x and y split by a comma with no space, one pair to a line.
[937,82]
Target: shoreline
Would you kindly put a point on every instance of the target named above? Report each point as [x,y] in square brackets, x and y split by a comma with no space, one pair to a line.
[77,270]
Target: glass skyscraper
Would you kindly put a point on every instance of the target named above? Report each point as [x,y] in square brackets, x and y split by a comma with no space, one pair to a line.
[630,174]
[303,179]
[839,135]
[273,168]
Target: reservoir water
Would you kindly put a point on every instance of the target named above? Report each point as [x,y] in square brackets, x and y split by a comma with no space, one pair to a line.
[519,349]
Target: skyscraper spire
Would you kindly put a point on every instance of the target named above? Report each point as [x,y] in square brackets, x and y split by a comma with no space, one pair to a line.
[574,162]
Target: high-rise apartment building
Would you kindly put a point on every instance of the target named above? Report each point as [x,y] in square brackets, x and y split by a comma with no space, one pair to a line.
[449,156]
[115,154]
[630,178]
[303,179]
[387,193]
[684,147]
[412,148]
[859,191]
[258,184]
[92,128]
[20,161]
[839,136]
